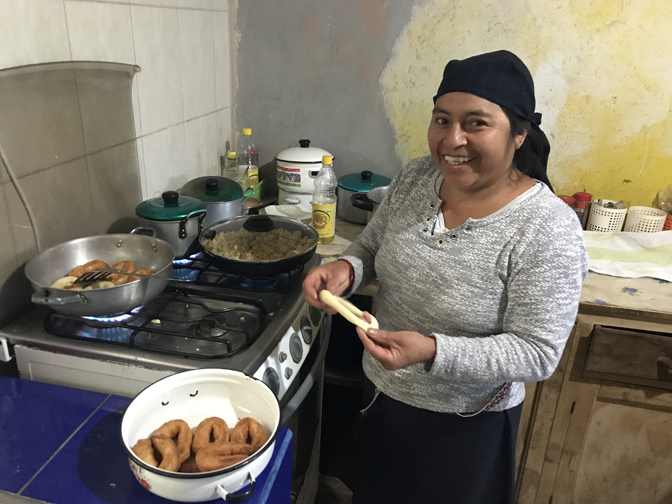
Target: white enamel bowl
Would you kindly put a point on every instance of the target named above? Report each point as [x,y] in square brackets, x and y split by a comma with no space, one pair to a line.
[194,396]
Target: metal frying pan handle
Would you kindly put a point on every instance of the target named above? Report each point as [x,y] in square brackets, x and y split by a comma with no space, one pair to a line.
[44,298]
[307,384]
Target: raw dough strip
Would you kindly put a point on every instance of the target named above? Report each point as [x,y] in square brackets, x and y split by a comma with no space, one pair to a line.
[348,310]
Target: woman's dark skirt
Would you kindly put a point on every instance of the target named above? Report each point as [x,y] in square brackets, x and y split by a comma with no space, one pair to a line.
[413,455]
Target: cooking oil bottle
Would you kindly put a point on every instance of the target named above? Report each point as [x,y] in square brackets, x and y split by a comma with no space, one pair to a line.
[324,202]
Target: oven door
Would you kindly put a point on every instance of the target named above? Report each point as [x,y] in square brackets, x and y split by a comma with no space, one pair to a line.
[301,412]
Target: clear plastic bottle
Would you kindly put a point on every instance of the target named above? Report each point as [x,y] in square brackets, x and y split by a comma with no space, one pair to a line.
[254,172]
[324,202]
[247,169]
[230,171]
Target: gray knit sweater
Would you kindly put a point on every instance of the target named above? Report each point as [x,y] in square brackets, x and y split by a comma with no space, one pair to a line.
[500,294]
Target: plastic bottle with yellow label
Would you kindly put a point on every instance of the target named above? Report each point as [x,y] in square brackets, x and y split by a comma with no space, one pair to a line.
[324,202]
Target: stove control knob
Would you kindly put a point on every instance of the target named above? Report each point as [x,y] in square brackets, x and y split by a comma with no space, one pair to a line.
[272,379]
[315,314]
[295,348]
[288,373]
[306,330]
[282,356]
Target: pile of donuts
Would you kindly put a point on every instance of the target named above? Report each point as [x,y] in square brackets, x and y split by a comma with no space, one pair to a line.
[127,268]
[174,447]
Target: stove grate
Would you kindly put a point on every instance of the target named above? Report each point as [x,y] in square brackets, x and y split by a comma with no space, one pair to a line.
[178,322]
[198,271]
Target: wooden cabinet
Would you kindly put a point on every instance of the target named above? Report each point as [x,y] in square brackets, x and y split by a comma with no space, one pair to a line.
[600,429]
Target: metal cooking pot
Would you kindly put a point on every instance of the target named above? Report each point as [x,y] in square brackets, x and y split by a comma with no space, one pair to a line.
[356,183]
[260,224]
[144,251]
[194,396]
[223,197]
[371,201]
[172,218]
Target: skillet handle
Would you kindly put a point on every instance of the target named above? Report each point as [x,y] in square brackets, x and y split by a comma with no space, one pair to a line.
[45,299]
[232,498]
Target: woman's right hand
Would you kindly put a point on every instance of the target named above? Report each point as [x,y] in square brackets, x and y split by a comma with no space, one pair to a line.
[333,276]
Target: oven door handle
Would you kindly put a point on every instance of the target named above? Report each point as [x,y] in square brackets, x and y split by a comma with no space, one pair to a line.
[307,384]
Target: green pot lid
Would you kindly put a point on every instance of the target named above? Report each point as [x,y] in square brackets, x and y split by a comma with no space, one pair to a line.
[169,207]
[213,189]
[363,181]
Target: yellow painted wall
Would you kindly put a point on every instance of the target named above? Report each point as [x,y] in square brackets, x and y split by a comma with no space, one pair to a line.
[603,77]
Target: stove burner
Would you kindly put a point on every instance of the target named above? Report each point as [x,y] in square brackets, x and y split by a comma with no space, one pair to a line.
[258,283]
[211,326]
[116,318]
[185,274]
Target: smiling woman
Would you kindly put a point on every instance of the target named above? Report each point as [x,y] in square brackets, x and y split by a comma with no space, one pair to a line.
[480,268]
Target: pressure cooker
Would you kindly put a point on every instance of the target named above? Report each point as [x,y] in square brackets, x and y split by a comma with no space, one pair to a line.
[297,168]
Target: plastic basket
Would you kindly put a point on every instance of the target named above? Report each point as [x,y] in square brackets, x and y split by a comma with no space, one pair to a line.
[643,219]
[605,219]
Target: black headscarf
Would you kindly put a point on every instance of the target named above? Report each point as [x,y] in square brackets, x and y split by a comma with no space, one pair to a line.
[502,78]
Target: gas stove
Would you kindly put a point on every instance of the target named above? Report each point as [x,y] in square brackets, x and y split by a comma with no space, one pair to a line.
[204,318]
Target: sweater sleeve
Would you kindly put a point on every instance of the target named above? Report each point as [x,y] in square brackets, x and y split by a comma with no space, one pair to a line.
[362,252]
[543,288]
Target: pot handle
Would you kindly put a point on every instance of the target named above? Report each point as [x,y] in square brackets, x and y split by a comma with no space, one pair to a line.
[182,233]
[143,231]
[360,200]
[232,498]
[307,384]
[45,299]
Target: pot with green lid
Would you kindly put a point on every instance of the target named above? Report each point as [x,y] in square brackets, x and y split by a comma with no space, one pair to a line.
[172,218]
[352,186]
[223,197]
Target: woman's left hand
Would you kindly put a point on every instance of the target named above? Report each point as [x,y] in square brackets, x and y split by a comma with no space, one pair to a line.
[395,350]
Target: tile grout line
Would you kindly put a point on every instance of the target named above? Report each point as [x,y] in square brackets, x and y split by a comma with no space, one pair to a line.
[63,445]
[136,4]
[86,154]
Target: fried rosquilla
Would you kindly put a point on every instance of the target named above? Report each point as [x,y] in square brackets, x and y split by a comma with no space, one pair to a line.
[248,430]
[180,432]
[218,456]
[174,447]
[210,430]
[94,265]
[119,278]
[145,451]
[167,449]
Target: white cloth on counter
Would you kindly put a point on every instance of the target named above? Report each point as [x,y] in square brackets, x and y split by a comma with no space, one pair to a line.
[630,255]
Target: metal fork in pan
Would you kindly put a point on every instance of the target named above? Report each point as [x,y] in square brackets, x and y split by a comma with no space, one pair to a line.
[100,275]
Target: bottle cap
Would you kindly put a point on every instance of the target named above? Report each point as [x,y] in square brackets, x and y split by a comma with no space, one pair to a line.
[327,160]
[247,131]
[580,204]
[583,196]
[232,154]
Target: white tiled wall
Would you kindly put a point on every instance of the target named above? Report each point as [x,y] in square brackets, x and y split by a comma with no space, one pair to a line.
[182,96]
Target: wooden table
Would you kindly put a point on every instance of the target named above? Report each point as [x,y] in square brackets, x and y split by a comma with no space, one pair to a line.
[600,429]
